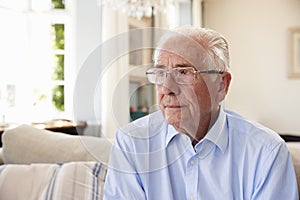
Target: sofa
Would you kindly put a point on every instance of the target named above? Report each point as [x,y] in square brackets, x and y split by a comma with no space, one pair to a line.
[40,164]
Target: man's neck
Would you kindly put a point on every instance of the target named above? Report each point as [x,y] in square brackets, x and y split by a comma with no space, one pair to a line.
[205,125]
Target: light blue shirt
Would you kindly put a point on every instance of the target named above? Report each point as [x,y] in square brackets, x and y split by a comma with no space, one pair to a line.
[237,159]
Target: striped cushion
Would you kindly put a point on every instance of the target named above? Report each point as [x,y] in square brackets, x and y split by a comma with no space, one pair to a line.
[74,180]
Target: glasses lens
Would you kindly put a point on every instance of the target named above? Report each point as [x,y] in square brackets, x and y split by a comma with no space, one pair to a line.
[184,75]
[156,76]
[181,75]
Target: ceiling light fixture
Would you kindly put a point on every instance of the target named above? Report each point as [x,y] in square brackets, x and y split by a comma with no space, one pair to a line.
[139,8]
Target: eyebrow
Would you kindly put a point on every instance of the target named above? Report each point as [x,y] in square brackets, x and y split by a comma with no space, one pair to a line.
[177,65]
[184,65]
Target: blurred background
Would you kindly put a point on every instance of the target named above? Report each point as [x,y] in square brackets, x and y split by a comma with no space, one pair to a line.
[52,50]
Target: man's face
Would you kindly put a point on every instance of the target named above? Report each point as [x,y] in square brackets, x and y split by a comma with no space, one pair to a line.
[184,106]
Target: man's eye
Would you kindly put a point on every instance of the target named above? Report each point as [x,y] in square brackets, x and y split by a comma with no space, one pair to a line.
[184,71]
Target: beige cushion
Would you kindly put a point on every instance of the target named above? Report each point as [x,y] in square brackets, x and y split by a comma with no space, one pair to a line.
[26,144]
[73,180]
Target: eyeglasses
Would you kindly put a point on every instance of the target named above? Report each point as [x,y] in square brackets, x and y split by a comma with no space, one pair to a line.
[181,75]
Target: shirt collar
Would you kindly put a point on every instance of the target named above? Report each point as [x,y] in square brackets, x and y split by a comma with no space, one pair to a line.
[171,132]
[217,133]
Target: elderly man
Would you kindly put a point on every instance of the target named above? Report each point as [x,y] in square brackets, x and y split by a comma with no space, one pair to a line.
[192,148]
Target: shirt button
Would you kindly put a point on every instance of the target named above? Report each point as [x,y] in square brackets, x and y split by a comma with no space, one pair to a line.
[192,162]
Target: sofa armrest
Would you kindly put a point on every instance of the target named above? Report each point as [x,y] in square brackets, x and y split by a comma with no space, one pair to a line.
[26,144]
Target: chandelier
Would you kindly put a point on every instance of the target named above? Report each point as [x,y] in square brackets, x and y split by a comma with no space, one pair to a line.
[139,8]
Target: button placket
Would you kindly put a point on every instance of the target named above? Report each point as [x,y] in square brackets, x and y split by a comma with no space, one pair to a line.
[192,162]
[192,178]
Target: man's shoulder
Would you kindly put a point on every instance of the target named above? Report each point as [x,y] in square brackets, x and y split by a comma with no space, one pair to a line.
[251,130]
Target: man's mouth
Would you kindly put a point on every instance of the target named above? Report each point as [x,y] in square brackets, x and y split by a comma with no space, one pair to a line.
[172,106]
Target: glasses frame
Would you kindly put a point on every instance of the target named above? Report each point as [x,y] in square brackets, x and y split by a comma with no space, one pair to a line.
[170,71]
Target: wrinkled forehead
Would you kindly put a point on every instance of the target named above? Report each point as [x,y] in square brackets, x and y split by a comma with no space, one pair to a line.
[181,48]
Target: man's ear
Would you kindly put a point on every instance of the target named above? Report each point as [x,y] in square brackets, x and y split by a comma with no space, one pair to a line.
[226,77]
[224,85]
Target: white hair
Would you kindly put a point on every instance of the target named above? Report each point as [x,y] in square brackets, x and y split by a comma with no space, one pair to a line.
[213,43]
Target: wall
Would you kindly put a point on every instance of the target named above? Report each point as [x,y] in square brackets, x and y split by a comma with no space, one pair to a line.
[87,37]
[88,28]
[257,31]
[100,68]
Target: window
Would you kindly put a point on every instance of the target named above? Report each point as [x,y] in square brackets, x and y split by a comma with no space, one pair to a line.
[58,35]
[35,72]
[58,4]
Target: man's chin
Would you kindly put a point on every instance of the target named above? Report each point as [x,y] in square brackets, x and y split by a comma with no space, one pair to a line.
[172,119]
[172,116]
[175,122]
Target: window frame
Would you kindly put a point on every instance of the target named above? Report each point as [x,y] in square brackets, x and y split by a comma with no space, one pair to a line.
[24,111]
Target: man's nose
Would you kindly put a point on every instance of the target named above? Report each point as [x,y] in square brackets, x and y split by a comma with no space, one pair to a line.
[170,86]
